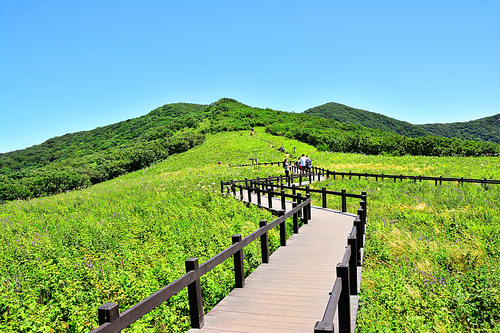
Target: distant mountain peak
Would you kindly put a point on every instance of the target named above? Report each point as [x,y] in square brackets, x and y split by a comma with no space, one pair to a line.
[484,129]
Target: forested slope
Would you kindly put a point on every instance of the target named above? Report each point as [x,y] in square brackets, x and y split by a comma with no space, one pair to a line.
[484,129]
[81,159]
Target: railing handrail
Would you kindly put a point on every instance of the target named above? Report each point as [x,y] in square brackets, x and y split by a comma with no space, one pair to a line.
[415,178]
[326,324]
[129,316]
[138,310]
[400,176]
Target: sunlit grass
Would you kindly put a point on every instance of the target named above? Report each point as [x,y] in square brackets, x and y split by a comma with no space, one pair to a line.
[431,259]
[432,251]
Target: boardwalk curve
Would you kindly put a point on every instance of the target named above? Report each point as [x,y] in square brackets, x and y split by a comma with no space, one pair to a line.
[291,292]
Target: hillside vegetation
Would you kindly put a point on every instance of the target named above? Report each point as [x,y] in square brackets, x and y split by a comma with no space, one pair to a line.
[432,252]
[431,258]
[484,129]
[81,159]
[63,256]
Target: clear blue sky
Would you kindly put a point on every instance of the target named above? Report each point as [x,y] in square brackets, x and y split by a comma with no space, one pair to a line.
[68,66]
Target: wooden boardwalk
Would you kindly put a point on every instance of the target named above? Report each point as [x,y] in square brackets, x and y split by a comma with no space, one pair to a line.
[290,293]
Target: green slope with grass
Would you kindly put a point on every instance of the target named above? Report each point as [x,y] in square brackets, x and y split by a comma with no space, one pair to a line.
[431,257]
[349,115]
[82,159]
[484,129]
[65,255]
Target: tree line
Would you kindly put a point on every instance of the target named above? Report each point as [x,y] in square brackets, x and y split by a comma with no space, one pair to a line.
[81,159]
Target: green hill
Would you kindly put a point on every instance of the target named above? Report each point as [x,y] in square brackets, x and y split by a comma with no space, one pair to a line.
[432,250]
[487,129]
[85,158]
[484,129]
[348,115]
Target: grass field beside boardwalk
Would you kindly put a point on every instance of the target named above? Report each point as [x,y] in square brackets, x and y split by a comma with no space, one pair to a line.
[431,254]
[432,251]
[120,241]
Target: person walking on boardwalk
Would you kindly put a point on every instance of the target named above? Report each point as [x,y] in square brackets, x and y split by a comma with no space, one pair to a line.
[286,166]
[308,164]
[302,163]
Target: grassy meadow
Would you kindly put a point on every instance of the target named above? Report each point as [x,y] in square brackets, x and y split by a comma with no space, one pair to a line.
[431,257]
[120,241]
[432,251]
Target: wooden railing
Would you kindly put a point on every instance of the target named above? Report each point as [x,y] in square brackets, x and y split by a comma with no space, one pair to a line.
[110,320]
[346,283]
[419,178]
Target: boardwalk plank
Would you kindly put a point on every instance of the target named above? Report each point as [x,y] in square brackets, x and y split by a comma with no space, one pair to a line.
[290,293]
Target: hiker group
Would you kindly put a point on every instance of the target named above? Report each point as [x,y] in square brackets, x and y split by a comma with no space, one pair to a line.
[304,164]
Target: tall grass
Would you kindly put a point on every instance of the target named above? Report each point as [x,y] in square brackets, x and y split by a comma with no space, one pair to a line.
[120,241]
[431,254]
[432,251]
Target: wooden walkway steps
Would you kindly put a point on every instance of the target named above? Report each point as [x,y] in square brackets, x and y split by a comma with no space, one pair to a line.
[291,292]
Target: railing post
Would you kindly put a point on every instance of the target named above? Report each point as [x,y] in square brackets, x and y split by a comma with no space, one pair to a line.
[344,201]
[269,199]
[283,201]
[299,201]
[264,243]
[363,205]
[239,269]
[221,187]
[259,203]
[364,196]
[108,312]
[246,182]
[353,262]
[323,197]
[295,219]
[362,231]
[300,180]
[194,294]
[305,218]
[359,239]
[344,306]
[233,187]
[249,195]
[282,229]
[294,191]
[241,193]
[308,207]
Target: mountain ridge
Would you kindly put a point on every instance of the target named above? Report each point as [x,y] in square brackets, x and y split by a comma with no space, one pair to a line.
[86,158]
[483,129]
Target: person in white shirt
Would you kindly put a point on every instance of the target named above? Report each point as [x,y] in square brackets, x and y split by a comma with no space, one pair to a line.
[302,163]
